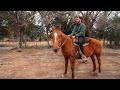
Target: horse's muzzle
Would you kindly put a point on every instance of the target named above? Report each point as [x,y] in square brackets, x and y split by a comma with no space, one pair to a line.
[55,49]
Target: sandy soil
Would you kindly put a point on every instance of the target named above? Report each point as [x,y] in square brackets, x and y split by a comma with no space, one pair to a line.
[45,64]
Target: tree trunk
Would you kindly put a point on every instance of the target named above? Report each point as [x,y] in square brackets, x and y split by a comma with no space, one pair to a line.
[116,43]
[110,44]
[89,32]
[48,44]
[40,39]
[36,43]
[25,40]
[19,38]
[103,41]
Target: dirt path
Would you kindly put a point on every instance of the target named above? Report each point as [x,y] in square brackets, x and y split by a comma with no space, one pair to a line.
[45,64]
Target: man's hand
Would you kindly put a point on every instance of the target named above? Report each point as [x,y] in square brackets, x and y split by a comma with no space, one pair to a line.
[69,35]
[73,36]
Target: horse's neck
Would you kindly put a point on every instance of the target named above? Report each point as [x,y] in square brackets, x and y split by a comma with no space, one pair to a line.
[64,38]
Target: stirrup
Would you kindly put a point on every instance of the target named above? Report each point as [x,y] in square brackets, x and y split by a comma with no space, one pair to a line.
[84,58]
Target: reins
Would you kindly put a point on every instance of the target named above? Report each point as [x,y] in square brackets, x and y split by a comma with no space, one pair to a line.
[62,43]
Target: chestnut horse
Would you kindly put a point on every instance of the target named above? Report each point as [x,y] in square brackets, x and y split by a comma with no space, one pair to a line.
[69,50]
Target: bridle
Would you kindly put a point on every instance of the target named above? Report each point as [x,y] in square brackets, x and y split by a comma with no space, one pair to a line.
[61,45]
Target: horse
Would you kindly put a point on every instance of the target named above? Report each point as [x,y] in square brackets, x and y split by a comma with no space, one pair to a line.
[69,49]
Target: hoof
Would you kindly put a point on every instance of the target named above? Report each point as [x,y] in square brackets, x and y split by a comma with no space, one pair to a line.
[75,78]
[94,73]
[19,50]
[63,75]
[76,62]
[99,74]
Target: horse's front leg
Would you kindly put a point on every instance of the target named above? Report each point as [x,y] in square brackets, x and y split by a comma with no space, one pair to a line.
[72,66]
[66,65]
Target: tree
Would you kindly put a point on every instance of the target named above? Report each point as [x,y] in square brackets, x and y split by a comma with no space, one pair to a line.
[102,24]
[21,19]
[47,17]
[113,32]
[89,18]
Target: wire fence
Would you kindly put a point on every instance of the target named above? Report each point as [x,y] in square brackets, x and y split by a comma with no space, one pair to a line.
[36,44]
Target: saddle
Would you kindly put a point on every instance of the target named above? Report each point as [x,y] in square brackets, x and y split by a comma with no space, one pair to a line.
[78,50]
[85,41]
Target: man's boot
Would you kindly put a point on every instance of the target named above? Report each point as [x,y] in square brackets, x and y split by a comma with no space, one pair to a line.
[84,58]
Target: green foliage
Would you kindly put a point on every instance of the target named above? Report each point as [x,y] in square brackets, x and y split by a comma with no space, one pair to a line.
[6,25]
[111,33]
[34,32]
[66,28]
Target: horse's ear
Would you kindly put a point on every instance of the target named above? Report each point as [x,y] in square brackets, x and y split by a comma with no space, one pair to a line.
[59,28]
[53,28]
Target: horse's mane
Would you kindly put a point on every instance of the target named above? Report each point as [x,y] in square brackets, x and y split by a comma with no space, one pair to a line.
[63,34]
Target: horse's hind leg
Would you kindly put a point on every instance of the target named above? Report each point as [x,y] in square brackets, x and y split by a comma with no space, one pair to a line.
[99,63]
[94,63]
[66,65]
[72,66]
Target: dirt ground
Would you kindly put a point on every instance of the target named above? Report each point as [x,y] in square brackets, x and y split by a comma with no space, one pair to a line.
[43,63]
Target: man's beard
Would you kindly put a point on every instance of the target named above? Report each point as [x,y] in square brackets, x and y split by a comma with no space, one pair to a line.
[77,22]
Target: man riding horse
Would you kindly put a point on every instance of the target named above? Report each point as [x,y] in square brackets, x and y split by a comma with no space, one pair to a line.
[79,32]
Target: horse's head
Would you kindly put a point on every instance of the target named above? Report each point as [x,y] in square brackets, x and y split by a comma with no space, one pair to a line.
[56,38]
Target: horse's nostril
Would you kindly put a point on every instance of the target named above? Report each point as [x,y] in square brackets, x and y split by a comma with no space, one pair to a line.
[55,50]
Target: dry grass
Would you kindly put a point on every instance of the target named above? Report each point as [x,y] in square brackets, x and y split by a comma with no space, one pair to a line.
[29,44]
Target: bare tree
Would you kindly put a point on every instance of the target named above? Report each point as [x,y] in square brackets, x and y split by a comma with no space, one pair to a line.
[47,16]
[90,18]
[103,23]
[21,19]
